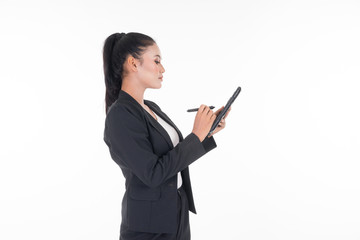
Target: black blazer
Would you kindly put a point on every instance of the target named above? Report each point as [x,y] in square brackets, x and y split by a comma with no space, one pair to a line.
[150,163]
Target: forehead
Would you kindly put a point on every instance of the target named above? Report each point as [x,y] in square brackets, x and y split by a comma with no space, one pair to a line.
[153,51]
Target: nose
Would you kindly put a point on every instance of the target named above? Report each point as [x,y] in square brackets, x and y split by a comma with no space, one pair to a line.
[162,69]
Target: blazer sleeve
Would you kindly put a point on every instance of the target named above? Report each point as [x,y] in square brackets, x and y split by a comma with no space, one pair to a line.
[128,140]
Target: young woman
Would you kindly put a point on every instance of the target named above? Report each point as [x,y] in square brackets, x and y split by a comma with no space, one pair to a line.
[144,142]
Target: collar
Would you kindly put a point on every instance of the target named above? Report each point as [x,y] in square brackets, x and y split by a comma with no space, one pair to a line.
[125,97]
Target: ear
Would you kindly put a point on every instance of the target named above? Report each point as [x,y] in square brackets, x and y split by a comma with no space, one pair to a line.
[132,63]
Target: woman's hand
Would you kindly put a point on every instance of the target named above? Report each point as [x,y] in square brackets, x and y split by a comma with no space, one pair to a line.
[222,123]
[203,121]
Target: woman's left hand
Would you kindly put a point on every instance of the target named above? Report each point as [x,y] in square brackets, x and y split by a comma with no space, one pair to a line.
[222,123]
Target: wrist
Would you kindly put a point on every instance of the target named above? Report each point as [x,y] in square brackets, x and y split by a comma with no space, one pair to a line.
[199,137]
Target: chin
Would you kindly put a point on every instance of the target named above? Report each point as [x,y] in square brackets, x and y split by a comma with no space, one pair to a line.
[159,85]
[156,86]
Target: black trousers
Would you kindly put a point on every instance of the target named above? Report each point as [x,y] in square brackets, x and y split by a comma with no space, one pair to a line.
[183,231]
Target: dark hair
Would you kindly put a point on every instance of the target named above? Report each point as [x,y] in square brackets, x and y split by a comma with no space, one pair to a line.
[116,49]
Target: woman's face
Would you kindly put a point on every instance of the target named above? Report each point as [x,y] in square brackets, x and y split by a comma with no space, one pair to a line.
[151,71]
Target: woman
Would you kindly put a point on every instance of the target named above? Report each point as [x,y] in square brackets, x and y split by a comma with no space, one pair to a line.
[146,144]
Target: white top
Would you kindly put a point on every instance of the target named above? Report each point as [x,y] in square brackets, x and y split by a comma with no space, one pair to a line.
[174,139]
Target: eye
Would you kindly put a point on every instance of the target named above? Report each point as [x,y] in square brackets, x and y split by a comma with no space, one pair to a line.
[157,62]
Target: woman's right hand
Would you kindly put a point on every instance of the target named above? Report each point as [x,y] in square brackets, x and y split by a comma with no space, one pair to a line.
[204,119]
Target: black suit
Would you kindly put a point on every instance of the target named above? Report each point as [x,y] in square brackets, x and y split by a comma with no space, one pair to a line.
[150,163]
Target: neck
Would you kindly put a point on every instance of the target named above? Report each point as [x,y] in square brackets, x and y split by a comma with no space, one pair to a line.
[137,92]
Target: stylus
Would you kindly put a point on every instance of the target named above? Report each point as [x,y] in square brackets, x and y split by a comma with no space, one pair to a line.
[197,109]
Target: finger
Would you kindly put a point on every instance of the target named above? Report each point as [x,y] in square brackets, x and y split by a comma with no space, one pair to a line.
[219,110]
[202,108]
[222,122]
[227,113]
[206,109]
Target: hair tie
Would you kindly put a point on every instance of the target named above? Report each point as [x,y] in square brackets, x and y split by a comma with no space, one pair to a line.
[119,36]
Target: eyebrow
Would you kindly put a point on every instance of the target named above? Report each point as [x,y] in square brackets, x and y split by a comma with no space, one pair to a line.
[157,56]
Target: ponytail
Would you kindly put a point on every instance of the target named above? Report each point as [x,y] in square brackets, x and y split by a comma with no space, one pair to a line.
[113,81]
[116,49]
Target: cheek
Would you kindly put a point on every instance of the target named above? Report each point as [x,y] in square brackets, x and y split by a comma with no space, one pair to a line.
[151,68]
[155,68]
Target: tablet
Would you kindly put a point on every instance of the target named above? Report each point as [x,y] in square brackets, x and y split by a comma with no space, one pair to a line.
[223,112]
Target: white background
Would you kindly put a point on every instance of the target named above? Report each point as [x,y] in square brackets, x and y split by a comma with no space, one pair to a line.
[286,166]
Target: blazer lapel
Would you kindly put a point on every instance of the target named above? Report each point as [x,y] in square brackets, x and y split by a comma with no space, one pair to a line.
[165,117]
[125,96]
[159,128]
